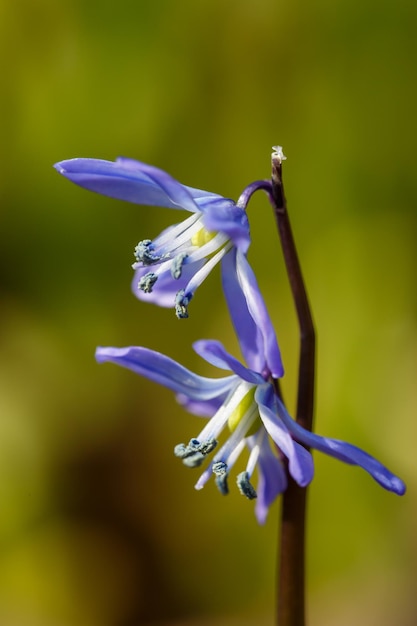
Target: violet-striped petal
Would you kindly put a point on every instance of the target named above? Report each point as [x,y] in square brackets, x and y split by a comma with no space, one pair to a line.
[259,313]
[344,452]
[271,483]
[213,352]
[202,408]
[126,179]
[165,371]
[248,333]
[226,217]
[300,461]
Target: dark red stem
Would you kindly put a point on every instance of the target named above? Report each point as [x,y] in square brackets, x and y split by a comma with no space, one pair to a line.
[291,586]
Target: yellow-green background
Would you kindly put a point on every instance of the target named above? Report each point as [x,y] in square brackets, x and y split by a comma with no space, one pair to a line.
[99,523]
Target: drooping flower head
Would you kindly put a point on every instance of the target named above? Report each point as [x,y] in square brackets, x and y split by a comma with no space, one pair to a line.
[244,405]
[169,268]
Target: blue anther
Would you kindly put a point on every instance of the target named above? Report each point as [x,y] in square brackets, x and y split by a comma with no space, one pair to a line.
[193,460]
[221,484]
[207,446]
[147,282]
[219,468]
[245,487]
[181,450]
[194,444]
[181,303]
[177,263]
[144,253]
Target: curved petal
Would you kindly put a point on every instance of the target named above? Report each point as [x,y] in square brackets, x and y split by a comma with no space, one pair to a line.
[167,372]
[203,198]
[271,483]
[213,352]
[248,333]
[259,313]
[300,461]
[224,216]
[202,408]
[130,180]
[344,452]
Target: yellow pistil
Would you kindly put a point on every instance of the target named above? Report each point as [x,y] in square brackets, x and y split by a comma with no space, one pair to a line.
[201,237]
[241,410]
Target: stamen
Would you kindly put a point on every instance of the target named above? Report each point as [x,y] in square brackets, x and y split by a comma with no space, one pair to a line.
[207,446]
[181,303]
[215,426]
[194,443]
[193,449]
[209,247]
[145,253]
[177,263]
[219,468]
[147,282]
[181,450]
[194,460]
[221,484]
[178,234]
[190,455]
[205,270]
[245,487]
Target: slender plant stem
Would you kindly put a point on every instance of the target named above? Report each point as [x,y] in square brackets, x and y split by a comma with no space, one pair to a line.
[291,586]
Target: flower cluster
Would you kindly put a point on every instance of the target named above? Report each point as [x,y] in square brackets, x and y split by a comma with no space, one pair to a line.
[244,404]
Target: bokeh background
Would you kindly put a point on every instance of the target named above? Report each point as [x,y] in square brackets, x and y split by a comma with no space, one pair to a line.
[99,523]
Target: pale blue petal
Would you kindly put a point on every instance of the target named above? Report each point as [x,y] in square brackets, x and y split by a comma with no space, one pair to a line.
[271,483]
[202,408]
[213,352]
[344,452]
[204,197]
[126,179]
[167,372]
[248,333]
[258,311]
[224,216]
[300,461]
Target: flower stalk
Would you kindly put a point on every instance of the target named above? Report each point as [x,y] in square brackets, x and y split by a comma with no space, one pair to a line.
[291,585]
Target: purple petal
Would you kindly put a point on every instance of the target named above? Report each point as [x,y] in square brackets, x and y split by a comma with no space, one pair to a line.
[300,461]
[259,313]
[272,480]
[165,371]
[213,352]
[224,216]
[202,408]
[126,179]
[344,452]
[204,197]
[248,333]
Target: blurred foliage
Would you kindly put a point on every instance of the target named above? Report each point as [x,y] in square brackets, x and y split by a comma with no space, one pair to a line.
[99,524]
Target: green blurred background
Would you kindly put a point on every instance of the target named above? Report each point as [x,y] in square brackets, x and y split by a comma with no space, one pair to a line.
[99,523]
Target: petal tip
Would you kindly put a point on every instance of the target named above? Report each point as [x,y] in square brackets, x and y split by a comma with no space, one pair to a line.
[59,168]
[399,487]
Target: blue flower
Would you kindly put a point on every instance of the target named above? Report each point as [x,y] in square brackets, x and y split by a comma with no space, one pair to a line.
[170,267]
[244,404]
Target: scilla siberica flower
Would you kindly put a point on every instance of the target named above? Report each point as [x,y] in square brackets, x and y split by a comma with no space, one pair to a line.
[170,267]
[245,404]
